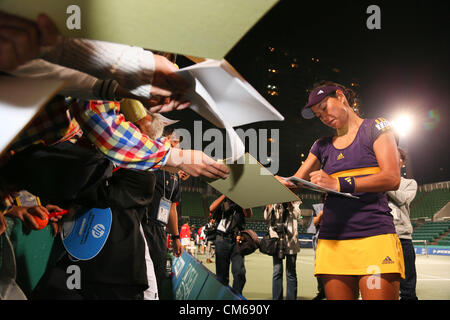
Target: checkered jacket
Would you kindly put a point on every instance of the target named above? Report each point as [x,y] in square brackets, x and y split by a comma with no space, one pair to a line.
[119,140]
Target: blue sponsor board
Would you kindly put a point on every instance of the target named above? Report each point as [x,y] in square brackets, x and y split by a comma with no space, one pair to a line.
[434,250]
[192,281]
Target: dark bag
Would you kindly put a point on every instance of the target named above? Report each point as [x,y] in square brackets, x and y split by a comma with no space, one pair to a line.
[250,242]
[268,245]
[271,246]
[211,232]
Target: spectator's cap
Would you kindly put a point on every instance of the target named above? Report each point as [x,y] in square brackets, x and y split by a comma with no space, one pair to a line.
[316,96]
[133,110]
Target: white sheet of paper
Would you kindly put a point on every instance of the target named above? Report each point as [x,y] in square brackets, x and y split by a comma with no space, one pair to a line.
[238,102]
[312,186]
[223,97]
[20,100]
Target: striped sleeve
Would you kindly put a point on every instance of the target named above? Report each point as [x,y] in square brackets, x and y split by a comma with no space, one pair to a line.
[379,126]
[120,140]
[132,67]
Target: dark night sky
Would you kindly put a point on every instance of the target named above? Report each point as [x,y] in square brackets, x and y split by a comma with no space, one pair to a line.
[402,67]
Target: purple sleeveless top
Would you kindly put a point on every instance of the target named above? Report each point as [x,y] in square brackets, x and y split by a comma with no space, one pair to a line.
[345,218]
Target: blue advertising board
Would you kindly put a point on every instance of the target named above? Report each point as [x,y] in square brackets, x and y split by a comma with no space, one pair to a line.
[192,281]
[433,250]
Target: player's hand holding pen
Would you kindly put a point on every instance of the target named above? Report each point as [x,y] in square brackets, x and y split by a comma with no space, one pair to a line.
[321,178]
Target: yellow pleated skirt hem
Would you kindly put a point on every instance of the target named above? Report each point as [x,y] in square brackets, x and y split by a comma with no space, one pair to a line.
[363,256]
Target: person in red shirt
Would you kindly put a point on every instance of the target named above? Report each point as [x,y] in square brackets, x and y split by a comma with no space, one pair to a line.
[185,234]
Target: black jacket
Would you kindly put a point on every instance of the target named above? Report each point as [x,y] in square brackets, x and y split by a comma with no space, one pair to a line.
[122,259]
[232,212]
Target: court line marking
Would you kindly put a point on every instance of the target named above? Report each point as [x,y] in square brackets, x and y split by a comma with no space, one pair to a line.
[433,279]
[429,275]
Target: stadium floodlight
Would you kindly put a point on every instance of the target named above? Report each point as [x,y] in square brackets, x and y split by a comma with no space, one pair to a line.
[403,124]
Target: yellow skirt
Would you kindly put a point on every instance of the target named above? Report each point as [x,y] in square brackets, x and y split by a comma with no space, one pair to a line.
[363,256]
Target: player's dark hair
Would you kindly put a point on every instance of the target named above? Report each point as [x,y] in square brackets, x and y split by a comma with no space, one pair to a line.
[403,155]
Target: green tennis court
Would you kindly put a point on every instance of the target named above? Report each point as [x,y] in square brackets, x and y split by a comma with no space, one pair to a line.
[433,276]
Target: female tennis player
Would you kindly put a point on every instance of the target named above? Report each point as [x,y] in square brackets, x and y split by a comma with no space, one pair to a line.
[358,249]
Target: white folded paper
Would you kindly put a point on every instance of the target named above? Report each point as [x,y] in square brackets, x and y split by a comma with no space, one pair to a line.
[223,97]
[20,101]
[312,186]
